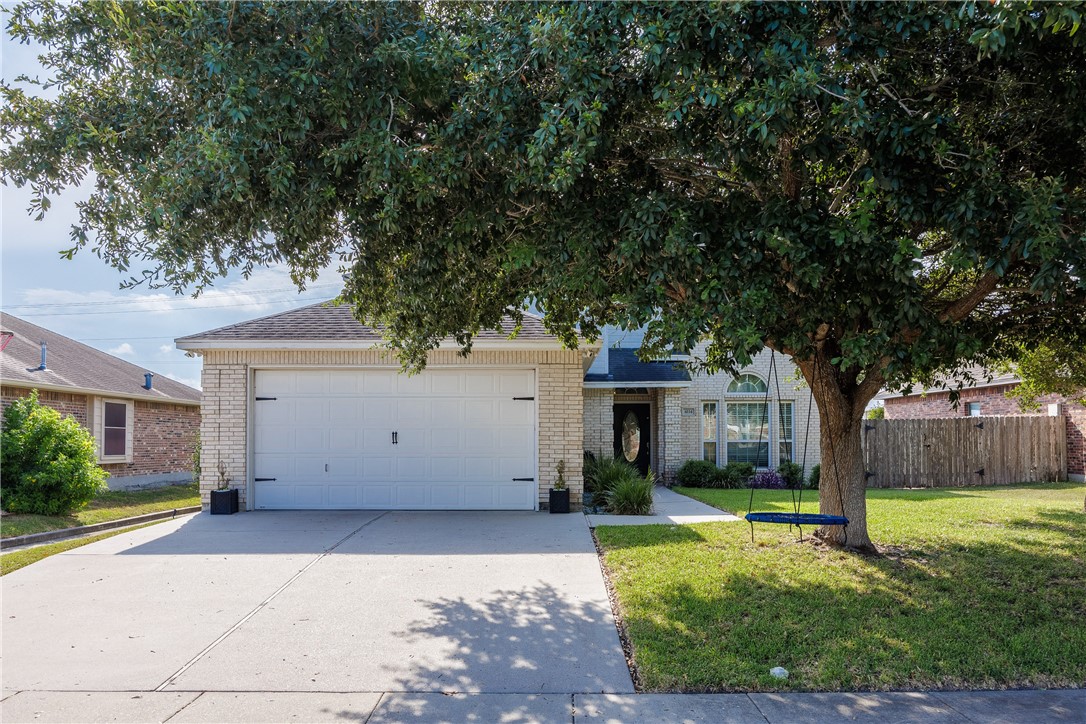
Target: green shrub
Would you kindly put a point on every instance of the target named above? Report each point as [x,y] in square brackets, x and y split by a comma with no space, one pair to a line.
[698,474]
[736,475]
[792,474]
[816,473]
[48,462]
[606,473]
[631,495]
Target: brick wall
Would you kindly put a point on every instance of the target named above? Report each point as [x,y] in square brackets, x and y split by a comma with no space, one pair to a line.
[994,401]
[63,402]
[163,440]
[163,434]
[599,415]
[559,403]
[713,388]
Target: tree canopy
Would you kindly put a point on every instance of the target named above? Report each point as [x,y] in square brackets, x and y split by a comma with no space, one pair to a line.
[883,191]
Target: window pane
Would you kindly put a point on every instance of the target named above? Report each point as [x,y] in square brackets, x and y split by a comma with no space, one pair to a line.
[749,452]
[708,451]
[747,384]
[631,437]
[708,421]
[114,441]
[785,431]
[748,421]
[114,414]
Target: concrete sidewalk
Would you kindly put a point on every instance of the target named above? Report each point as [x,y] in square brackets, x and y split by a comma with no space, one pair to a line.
[669,508]
[964,707]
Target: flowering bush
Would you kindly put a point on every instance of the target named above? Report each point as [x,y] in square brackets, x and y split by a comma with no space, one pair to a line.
[767,479]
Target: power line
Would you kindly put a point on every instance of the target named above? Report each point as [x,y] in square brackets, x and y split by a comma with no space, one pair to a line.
[174,309]
[113,302]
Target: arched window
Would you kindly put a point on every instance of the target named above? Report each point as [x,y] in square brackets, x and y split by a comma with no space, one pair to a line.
[747,384]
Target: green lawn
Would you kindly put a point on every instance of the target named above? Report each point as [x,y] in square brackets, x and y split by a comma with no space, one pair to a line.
[977,587]
[21,558]
[110,505]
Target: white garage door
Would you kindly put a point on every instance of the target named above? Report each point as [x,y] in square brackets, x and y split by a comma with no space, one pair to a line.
[455,439]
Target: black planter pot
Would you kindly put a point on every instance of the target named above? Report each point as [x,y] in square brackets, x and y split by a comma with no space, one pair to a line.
[224,502]
[559,501]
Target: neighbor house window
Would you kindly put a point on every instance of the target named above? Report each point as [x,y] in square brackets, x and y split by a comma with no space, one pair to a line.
[974,409]
[708,431]
[748,433]
[784,435]
[114,429]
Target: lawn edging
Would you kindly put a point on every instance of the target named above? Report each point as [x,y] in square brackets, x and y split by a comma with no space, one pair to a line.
[64,533]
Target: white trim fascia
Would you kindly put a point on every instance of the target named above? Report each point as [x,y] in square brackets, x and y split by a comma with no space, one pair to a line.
[620,385]
[196,345]
[97,393]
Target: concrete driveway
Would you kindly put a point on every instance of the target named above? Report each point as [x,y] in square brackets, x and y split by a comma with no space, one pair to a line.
[322,602]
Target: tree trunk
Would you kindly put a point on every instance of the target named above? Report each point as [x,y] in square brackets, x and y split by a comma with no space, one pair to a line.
[841,399]
[842,486]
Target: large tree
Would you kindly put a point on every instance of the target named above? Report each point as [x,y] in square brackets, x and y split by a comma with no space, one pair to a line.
[884,192]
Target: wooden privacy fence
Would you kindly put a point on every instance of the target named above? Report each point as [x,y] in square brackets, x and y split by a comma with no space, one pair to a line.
[959,451]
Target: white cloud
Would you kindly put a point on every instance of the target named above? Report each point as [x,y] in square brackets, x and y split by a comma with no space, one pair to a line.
[167,349]
[122,350]
[190,381]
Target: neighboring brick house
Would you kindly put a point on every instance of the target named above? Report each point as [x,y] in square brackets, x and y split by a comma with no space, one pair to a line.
[989,397]
[305,409]
[145,436]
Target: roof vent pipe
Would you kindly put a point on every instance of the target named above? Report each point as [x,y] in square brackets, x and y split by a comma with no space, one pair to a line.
[42,367]
[147,377]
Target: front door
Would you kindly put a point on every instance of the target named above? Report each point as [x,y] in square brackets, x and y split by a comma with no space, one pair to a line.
[632,439]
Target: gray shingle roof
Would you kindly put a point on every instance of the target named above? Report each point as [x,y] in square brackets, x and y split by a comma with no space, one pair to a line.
[76,365]
[324,321]
[978,374]
[624,368]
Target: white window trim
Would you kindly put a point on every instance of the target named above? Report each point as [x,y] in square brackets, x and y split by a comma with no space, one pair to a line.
[100,427]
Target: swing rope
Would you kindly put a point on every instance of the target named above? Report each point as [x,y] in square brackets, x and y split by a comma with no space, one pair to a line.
[796,518]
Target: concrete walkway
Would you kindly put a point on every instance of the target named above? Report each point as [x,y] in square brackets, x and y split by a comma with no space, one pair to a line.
[964,707]
[669,508]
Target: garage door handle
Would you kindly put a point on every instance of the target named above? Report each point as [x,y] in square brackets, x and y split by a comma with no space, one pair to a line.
[523,480]
[263,480]
[395,438]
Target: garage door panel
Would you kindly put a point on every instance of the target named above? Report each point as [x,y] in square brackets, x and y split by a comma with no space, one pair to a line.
[270,383]
[410,496]
[480,412]
[311,438]
[445,496]
[343,496]
[413,412]
[445,439]
[413,385]
[344,382]
[311,411]
[379,412]
[512,384]
[515,439]
[461,438]
[447,385]
[414,469]
[344,439]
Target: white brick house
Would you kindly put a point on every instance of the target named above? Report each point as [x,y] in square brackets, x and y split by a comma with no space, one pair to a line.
[714,417]
[304,409]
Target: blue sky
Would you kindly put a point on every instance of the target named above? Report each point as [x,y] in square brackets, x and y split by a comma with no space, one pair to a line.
[82,298]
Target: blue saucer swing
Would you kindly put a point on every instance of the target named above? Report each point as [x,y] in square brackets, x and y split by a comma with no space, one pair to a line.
[794,518]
